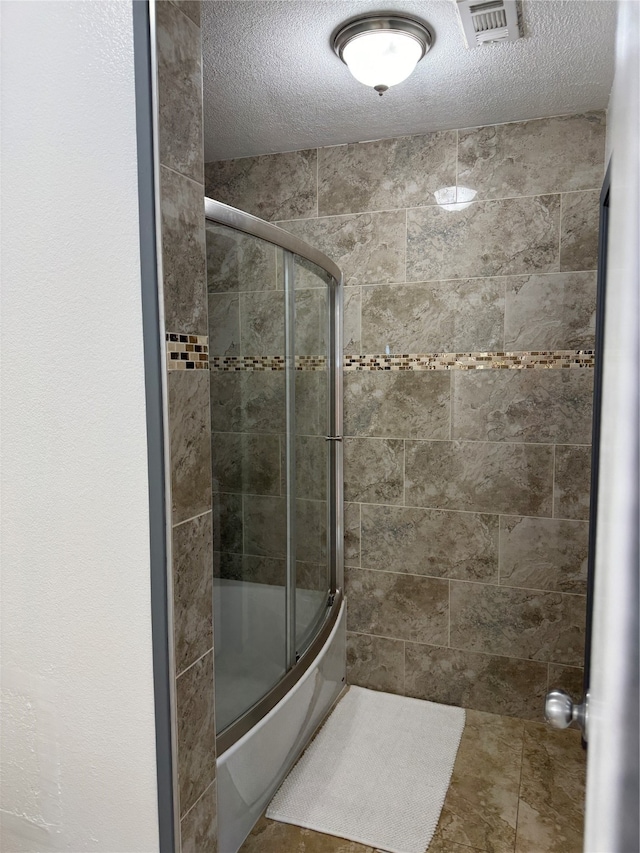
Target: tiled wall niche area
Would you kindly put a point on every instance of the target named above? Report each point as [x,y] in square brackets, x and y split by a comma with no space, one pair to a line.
[467,489]
[179,77]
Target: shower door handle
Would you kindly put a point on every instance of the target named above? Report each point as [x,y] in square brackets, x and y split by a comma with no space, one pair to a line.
[333,438]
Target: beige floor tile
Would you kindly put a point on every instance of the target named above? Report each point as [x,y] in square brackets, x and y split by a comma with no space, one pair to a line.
[269,836]
[552,791]
[481,806]
[516,786]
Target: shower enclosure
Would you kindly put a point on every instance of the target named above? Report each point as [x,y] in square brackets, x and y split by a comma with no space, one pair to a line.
[275,343]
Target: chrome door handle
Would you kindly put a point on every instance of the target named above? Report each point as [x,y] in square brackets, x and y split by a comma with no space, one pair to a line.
[333,438]
[560,711]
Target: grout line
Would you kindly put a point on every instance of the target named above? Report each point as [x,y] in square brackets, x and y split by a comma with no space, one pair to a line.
[449,620]
[186,177]
[499,549]
[431,206]
[193,518]
[448,579]
[212,782]
[191,665]
[560,234]
[404,472]
[520,782]
[458,649]
[553,483]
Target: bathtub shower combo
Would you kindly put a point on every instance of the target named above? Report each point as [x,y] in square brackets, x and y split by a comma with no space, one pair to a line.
[275,333]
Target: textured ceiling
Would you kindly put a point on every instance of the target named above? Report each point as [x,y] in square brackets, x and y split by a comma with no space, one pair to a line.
[272,82]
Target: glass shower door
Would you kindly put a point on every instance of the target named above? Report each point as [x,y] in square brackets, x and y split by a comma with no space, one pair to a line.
[247,358]
[276,503]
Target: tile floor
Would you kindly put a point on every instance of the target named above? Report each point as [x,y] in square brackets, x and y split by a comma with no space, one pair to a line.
[517,787]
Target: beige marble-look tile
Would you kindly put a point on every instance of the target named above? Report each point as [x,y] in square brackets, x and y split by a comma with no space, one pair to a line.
[449,316]
[192,551]
[311,467]
[499,685]
[199,828]
[579,231]
[265,525]
[439,845]
[552,791]
[191,8]
[568,678]
[368,247]
[461,545]
[352,297]
[544,626]
[547,155]
[179,59]
[546,312]
[272,186]
[196,731]
[352,534]
[375,662]
[542,406]
[226,401]
[224,324]
[311,531]
[488,238]
[245,463]
[481,805]
[227,523]
[572,482]
[405,607]
[270,836]
[262,323]
[189,441]
[385,174]
[239,262]
[373,470]
[311,402]
[479,476]
[183,253]
[390,404]
[263,401]
[544,553]
[311,320]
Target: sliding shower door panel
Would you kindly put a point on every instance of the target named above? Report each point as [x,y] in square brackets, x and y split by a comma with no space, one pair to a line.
[246,301]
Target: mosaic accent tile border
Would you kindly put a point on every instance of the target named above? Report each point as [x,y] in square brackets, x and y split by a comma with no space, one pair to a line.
[545,360]
[474,360]
[187,352]
[231,363]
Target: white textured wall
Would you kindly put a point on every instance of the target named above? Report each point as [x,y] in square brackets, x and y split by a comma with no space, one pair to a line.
[78,749]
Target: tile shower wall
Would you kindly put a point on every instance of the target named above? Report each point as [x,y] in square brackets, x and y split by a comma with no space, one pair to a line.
[179,77]
[467,456]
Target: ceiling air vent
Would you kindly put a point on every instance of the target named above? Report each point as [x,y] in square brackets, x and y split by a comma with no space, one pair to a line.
[486,22]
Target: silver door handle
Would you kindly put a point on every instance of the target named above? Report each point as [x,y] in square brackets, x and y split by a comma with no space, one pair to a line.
[560,711]
[333,438]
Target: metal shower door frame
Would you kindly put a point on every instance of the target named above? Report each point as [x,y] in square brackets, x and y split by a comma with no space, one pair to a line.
[222,214]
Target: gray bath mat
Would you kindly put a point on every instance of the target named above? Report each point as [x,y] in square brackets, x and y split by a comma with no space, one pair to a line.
[377,772]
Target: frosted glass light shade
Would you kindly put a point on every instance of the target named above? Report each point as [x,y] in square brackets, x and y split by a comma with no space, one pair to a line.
[381,58]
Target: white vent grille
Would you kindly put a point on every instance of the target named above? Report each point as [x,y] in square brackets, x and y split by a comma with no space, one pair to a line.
[486,22]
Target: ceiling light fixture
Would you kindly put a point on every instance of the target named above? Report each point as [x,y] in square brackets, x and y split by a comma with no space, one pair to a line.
[382,50]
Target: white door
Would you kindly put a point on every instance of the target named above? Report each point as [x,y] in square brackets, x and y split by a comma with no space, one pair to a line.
[612,822]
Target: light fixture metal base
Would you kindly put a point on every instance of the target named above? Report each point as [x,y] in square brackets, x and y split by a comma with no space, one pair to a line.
[389,23]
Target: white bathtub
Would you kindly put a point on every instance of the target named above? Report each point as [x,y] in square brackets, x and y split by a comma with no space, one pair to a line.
[250,771]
